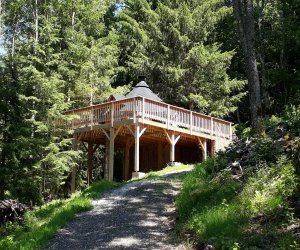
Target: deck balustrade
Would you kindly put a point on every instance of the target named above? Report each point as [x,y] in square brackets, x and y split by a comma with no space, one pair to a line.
[148,110]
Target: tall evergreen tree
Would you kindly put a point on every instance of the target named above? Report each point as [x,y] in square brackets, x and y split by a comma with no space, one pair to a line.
[175,48]
[58,55]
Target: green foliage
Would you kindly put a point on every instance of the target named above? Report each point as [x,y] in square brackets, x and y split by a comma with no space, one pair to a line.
[43,222]
[67,60]
[223,211]
[169,44]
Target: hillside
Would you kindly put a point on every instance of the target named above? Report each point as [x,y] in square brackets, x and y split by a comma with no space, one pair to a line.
[248,197]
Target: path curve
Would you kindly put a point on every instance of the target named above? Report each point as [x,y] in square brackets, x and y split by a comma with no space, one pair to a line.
[137,215]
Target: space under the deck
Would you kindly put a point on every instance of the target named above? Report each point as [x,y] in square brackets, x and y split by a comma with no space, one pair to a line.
[154,149]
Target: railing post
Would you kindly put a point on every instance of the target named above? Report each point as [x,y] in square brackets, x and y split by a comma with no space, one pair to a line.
[92,117]
[191,122]
[112,114]
[143,109]
[168,117]
[134,110]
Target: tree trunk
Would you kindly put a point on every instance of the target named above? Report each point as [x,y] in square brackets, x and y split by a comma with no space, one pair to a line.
[243,10]
[36,22]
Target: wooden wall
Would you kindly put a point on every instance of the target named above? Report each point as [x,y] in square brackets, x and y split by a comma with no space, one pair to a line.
[155,156]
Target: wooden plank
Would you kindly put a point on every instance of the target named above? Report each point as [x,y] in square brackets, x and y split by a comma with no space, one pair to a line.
[111,154]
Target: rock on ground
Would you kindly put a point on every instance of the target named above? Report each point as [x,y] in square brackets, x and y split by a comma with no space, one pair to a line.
[138,215]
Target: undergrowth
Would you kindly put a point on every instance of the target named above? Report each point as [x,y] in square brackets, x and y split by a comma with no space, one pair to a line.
[43,222]
[255,209]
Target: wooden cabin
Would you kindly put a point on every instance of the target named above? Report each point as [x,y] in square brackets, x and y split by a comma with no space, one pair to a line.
[150,132]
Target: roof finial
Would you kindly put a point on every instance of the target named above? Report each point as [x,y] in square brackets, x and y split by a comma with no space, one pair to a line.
[142,78]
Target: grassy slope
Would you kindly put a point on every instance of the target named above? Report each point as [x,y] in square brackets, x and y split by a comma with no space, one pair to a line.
[164,171]
[42,223]
[230,215]
[258,209]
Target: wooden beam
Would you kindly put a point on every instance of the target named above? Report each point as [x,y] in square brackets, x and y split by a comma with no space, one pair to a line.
[130,130]
[90,162]
[168,137]
[172,151]
[142,132]
[107,136]
[116,132]
[137,148]
[203,146]
[111,154]
[74,170]
[106,166]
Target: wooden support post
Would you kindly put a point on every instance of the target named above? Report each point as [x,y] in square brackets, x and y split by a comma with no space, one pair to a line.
[172,151]
[74,170]
[143,110]
[126,159]
[111,154]
[203,146]
[90,162]
[173,142]
[137,148]
[204,152]
[106,159]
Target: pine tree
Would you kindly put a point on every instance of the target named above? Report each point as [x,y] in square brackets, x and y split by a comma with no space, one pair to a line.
[173,46]
[58,55]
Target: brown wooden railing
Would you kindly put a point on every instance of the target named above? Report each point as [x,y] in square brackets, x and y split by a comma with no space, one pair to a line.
[147,109]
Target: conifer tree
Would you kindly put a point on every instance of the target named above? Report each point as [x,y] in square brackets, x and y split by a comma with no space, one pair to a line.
[57,56]
[173,46]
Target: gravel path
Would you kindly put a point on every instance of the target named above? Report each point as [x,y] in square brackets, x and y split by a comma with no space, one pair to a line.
[138,215]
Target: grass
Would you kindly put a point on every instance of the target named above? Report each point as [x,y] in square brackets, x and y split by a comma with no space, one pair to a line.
[163,171]
[42,223]
[231,214]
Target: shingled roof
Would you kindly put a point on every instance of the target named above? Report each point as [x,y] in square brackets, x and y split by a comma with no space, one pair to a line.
[142,89]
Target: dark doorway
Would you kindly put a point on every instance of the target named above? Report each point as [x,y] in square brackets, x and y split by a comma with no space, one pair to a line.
[118,164]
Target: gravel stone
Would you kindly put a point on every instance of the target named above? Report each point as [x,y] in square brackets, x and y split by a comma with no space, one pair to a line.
[138,215]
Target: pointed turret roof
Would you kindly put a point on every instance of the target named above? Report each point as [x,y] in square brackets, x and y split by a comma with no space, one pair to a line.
[142,89]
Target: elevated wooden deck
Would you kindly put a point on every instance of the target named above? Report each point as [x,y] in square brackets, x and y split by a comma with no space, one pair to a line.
[128,120]
[146,111]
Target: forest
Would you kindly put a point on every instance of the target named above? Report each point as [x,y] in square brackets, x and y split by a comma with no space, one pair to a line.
[234,59]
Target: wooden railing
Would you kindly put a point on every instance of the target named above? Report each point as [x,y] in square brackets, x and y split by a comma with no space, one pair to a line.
[147,109]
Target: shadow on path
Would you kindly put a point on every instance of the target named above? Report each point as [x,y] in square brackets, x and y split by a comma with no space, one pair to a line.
[137,215]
